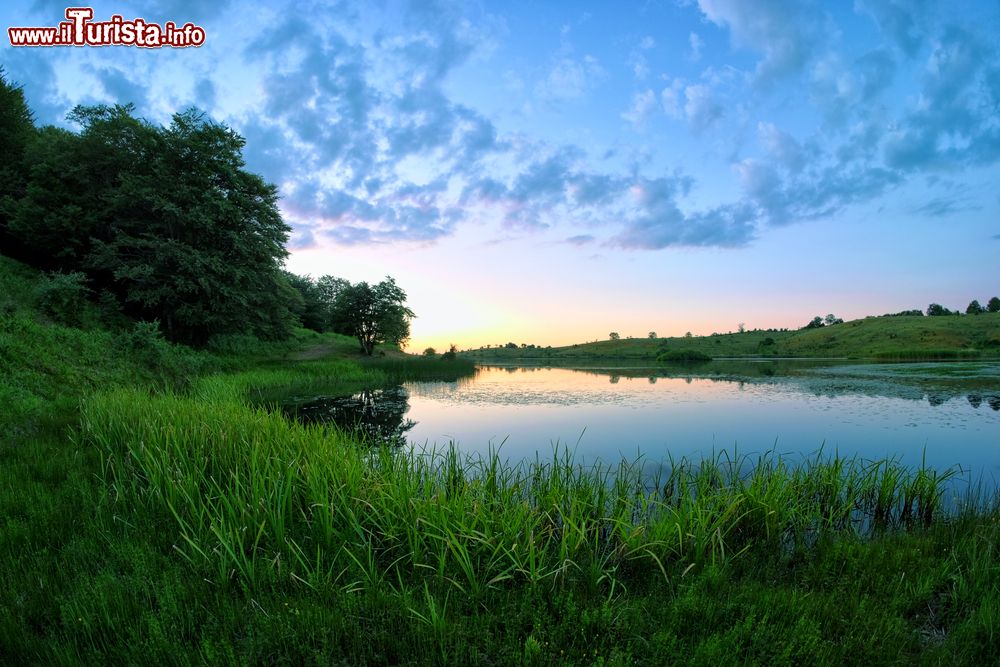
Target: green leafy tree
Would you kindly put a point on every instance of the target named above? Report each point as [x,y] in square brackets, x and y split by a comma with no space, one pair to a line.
[652,334]
[314,310]
[374,314]
[974,308]
[937,310]
[832,319]
[17,132]
[430,352]
[993,305]
[614,335]
[198,239]
[815,323]
[164,220]
[74,178]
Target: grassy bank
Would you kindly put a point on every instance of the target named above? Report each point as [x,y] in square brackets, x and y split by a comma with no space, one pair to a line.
[877,338]
[194,527]
[153,513]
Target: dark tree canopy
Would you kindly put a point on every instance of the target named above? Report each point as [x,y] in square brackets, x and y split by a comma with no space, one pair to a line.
[199,239]
[17,130]
[165,218]
[993,305]
[373,314]
[937,310]
[308,306]
[974,308]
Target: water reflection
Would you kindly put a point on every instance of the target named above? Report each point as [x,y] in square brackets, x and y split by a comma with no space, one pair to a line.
[375,415]
[875,411]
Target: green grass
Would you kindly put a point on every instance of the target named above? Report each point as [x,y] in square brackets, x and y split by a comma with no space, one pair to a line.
[890,338]
[153,514]
[256,498]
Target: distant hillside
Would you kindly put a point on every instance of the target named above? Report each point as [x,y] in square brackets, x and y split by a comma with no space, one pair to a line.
[907,337]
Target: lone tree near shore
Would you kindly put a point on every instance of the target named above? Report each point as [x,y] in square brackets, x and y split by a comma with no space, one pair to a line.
[373,314]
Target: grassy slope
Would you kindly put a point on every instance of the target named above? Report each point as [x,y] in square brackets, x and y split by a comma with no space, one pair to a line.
[91,572]
[874,337]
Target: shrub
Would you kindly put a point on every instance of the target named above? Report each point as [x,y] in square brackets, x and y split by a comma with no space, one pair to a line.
[682,355]
[144,340]
[62,296]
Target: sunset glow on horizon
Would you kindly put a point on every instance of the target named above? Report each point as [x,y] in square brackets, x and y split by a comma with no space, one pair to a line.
[549,173]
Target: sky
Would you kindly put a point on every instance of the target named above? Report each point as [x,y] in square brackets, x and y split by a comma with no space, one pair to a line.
[547,173]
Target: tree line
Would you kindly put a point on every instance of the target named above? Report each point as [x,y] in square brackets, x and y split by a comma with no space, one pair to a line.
[166,224]
[974,308]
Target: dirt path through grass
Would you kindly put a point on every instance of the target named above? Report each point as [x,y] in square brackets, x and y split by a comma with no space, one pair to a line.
[313,352]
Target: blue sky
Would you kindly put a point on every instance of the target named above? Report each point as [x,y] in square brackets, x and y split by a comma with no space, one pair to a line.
[550,172]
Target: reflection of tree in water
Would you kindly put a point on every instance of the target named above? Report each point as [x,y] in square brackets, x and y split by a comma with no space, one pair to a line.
[975,400]
[935,399]
[376,415]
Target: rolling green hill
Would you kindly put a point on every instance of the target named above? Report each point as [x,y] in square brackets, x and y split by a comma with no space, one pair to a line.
[907,337]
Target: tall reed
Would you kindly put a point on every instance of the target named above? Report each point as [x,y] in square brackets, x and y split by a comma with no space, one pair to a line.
[254,497]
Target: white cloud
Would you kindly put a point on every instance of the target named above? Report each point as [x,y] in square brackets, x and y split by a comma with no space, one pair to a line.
[643,105]
[782,31]
[696,46]
[701,108]
[781,146]
[571,79]
[670,98]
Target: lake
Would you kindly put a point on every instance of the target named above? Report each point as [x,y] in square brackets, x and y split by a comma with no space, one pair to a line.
[945,413]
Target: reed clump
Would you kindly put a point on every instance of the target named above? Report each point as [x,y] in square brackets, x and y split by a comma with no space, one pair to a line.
[255,497]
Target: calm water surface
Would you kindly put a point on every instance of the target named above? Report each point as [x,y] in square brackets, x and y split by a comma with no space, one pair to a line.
[948,413]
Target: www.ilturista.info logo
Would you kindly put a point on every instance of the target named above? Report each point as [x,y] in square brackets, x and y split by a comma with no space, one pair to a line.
[80,30]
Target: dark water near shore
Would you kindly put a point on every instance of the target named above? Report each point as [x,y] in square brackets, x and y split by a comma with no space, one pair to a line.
[947,414]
